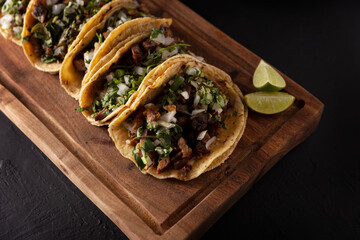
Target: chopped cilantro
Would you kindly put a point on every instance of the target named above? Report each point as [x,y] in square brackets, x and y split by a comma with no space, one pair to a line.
[208,83]
[148,145]
[164,137]
[172,47]
[220,100]
[155,33]
[139,131]
[100,37]
[81,109]
[119,73]
[26,38]
[138,160]
[178,81]
[218,118]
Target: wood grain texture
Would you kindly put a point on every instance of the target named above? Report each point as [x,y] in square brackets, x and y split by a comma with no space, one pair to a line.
[140,205]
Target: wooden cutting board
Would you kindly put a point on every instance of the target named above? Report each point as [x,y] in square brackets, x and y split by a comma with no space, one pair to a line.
[142,206]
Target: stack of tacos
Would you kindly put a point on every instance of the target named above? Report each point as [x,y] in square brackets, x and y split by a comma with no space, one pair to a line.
[168,111]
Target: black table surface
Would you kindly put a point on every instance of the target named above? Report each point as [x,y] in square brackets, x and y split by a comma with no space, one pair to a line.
[313,192]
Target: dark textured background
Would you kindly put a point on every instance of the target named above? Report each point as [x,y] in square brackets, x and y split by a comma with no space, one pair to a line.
[313,192]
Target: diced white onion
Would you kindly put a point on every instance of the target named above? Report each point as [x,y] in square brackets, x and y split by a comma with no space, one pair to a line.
[124,19]
[110,90]
[80,2]
[127,79]
[60,23]
[17,29]
[197,111]
[109,29]
[57,51]
[149,161]
[171,82]
[122,89]
[165,124]
[193,71]
[167,54]
[58,8]
[209,142]
[110,76]
[168,41]
[122,14]
[169,117]
[201,135]
[51,2]
[6,20]
[216,107]
[127,141]
[70,10]
[163,40]
[194,84]
[196,99]
[160,151]
[139,70]
[88,56]
[156,142]
[160,38]
[185,94]
[143,156]
[119,99]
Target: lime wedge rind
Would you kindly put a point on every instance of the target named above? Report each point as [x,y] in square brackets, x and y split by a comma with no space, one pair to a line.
[269,102]
[267,79]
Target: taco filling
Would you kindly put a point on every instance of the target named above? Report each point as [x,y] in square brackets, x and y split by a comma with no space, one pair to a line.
[126,75]
[57,23]
[82,61]
[180,124]
[12,16]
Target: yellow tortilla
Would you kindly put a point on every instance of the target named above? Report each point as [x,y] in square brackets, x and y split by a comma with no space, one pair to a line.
[118,46]
[226,140]
[70,78]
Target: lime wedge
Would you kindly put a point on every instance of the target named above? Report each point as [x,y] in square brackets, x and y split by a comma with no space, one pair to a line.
[269,102]
[267,79]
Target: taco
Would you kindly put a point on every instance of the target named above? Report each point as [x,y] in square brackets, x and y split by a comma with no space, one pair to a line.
[184,124]
[51,26]
[78,61]
[113,87]
[11,19]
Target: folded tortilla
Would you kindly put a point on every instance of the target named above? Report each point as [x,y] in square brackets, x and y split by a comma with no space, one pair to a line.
[226,139]
[121,41]
[70,75]
[50,36]
[11,19]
